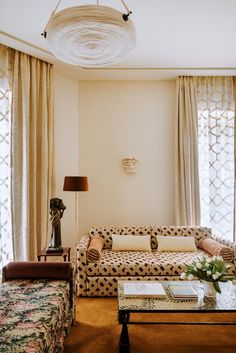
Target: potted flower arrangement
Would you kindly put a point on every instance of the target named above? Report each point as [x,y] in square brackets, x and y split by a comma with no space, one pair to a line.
[211,271]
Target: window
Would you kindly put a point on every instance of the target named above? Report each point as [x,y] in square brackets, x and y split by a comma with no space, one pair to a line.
[216,154]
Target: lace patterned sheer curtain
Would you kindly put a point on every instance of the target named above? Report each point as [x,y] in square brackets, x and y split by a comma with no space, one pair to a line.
[6,252]
[216,119]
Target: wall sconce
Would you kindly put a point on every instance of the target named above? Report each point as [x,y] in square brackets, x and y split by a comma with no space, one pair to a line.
[130,165]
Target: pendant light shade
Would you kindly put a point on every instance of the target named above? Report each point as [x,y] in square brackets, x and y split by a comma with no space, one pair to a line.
[90,35]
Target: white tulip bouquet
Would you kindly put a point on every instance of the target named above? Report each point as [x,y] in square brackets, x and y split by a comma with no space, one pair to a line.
[208,269]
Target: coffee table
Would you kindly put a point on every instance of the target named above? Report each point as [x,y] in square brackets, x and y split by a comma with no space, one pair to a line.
[224,303]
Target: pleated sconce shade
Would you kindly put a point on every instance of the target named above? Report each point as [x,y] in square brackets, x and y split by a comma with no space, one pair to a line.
[75,183]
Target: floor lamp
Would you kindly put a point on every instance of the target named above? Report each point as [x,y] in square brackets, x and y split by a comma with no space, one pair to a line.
[76,183]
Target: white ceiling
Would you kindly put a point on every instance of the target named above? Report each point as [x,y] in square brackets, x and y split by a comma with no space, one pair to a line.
[173,36]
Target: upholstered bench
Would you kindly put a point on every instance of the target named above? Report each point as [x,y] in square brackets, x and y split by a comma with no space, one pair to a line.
[36,306]
[100,278]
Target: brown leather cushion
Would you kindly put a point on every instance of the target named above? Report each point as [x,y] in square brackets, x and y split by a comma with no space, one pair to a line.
[37,270]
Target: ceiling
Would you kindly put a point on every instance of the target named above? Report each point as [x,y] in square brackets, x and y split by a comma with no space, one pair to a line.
[174,37]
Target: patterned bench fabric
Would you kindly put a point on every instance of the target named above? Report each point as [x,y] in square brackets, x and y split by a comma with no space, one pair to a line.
[35,316]
[81,265]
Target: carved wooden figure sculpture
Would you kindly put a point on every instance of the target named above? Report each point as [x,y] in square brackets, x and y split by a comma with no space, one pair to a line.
[57,209]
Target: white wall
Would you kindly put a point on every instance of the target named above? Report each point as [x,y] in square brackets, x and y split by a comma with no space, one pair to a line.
[106,121]
[118,119]
[66,149]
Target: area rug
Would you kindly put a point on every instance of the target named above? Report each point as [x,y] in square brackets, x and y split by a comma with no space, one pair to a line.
[97,331]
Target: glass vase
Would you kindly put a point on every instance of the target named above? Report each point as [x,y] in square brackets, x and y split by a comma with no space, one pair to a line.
[209,289]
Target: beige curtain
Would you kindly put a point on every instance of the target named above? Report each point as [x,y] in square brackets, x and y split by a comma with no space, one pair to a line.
[187,175]
[6,254]
[32,153]
[234,229]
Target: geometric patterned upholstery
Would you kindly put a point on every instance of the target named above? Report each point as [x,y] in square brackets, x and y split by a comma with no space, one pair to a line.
[133,263]
[81,260]
[137,263]
[173,263]
[100,278]
[110,264]
[106,232]
[197,231]
[107,286]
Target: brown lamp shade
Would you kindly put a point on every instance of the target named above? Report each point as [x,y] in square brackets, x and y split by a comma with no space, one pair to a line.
[75,183]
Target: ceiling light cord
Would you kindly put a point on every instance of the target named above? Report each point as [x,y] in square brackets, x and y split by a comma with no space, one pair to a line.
[126,15]
[44,33]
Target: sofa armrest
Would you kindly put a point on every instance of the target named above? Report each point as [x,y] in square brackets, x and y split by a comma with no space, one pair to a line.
[227,243]
[37,270]
[81,261]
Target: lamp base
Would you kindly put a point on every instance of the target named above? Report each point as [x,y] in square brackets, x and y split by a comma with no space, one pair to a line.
[52,250]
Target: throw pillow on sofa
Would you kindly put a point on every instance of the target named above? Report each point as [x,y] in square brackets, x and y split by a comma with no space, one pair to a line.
[94,251]
[131,242]
[176,243]
[213,247]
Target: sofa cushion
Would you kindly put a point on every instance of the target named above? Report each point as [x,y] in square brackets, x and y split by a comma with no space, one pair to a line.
[131,243]
[137,263]
[94,250]
[170,243]
[111,264]
[141,263]
[106,232]
[213,247]
[173,263]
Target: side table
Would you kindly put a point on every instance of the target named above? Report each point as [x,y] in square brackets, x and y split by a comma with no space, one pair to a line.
[65,254]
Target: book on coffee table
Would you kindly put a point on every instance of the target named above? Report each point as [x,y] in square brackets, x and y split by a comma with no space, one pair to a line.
[182,290]
[144,289]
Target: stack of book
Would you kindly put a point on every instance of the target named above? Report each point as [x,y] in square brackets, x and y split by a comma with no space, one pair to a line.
[182,290]
[144,289]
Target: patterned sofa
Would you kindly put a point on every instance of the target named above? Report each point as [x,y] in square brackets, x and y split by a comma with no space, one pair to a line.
[36,312]
[100,278]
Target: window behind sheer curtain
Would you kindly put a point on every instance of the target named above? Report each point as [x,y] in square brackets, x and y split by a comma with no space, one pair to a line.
[5,214]
[216,115]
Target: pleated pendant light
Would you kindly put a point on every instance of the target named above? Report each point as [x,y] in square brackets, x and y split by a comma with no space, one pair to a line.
[90,35]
